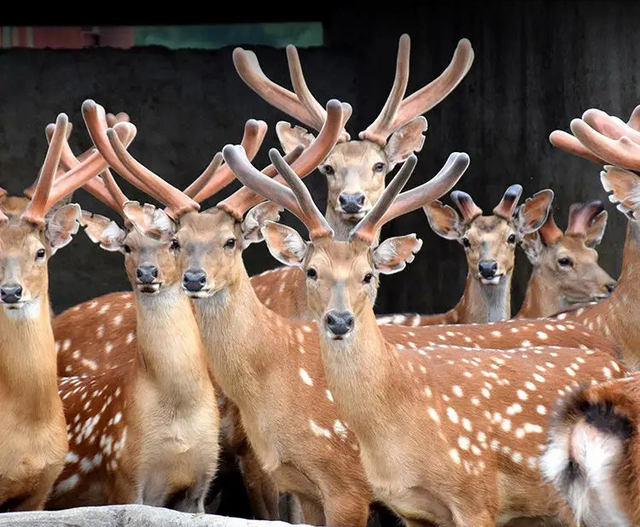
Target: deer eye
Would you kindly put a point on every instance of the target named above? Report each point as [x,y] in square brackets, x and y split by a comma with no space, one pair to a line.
[127,249]
[328,170]
[40,254]
[367,278]
[378,167]
[230,243]
[175,245]
[511,238]
[466,243]
[312,273]
[565,262]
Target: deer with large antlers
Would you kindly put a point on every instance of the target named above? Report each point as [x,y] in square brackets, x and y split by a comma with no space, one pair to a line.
[593,442]
[297,433]
[355,169]
[489,243]
[108,332]
[34,434]
[441,439]
[565,264]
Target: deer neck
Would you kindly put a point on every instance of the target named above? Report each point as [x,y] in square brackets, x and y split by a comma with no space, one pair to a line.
[342,227]
[28,369]
[363,374]
[170,351]
[482,303]
[542,298]
[240,336]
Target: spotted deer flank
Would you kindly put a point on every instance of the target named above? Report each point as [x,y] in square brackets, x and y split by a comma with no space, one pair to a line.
[482,412]
[355,169]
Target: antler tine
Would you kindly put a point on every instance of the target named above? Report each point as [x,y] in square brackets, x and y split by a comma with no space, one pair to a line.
[439,185]
[313,218]
[258,182]
[634,119]
[550,232]
[609,125]
[622,152]
[380,129]
[121,117]
[509,202]
[96,122]
[581,215]
[3,217]
[467,207]
[195,187]
[252,139]
[179,204]
[90,167]
[114,190]
[239,202]
[305,96]
[37,208]
[368,226]
[570,144]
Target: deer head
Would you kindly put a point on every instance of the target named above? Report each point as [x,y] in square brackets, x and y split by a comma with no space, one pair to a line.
[342,275]
[489,241]
[569,260]
[27,242]
[356,170]
[211,242]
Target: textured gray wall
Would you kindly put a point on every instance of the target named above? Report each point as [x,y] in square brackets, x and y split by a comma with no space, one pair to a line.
[538,64]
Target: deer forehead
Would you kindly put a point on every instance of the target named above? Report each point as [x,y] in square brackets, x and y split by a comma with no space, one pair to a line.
[140,242]
[20,236]
[359,154]
[574,245]
[340,256]
[208,227]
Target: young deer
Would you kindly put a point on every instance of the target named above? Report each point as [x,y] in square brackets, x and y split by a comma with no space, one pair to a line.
[355,169]
[297,433]
[489,243]
[609,141]
[34,436]
[103,334]
[565,265]
[440,441]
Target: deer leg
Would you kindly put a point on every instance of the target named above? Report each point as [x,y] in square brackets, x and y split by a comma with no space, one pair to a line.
[312,511]
[262,490]
[346,511]
[37,497]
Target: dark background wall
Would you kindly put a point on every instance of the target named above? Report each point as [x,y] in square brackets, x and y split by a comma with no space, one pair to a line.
[538,65]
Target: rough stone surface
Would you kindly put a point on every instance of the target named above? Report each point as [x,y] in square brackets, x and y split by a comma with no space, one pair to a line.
[125,515]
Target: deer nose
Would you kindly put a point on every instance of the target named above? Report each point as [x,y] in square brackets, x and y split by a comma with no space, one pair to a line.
[351,203]
[10,293]
[487,268]
[610,287]
[339,322]
[194,280]
[146,274]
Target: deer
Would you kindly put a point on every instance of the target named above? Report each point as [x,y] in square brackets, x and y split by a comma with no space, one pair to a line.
[565,270]
[274,375]
[489,243]
[355,170]
[440,442]
[34,437]
[612,143]
[591,452]
[102,334]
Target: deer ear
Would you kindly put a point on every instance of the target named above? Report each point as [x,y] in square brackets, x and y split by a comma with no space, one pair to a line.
[532,246]
[62,225]
[393,254]
[285,244]
[595,231]
[533,212]
[150,221]
[255,220]
[444,220]
[103,231]
[406,140]
[624,189]
[292,136]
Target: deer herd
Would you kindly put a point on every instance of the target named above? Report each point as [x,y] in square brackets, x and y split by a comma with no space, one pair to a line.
[469,418]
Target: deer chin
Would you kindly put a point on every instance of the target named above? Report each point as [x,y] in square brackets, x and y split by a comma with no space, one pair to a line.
[353,217]
[491,281]
[203,293]
[149,289]
[23,309]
